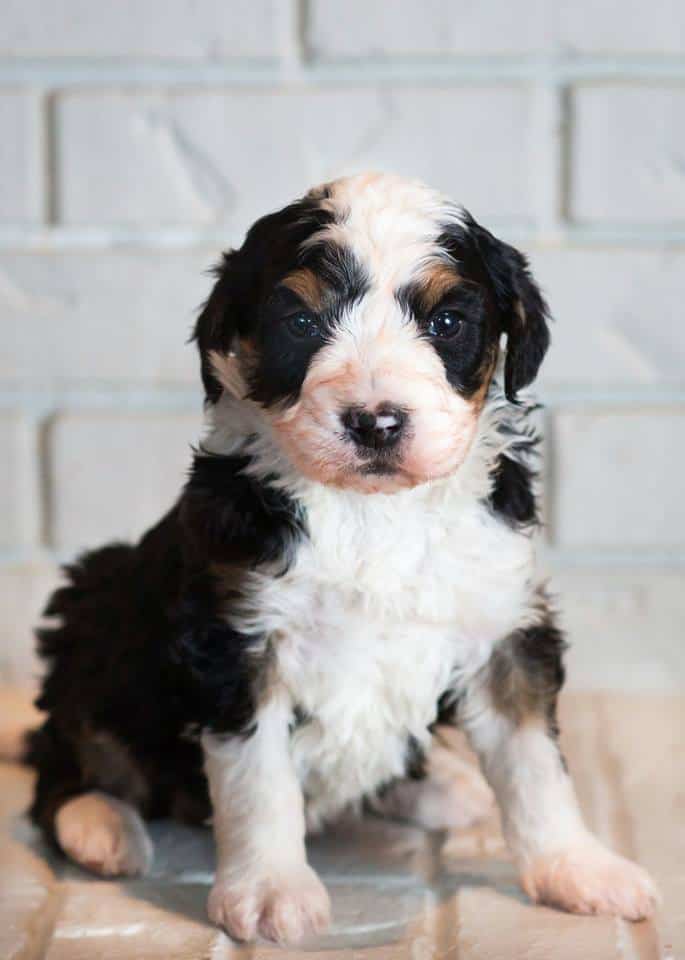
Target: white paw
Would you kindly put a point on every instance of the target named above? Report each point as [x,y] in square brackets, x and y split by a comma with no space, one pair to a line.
[285,907]
[104,835]
[591,879]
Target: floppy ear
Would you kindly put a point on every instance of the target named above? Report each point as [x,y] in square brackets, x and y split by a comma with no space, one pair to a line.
[219,320]
[524,312]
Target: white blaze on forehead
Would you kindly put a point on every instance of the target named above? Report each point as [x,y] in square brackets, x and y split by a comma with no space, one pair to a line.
[389,223]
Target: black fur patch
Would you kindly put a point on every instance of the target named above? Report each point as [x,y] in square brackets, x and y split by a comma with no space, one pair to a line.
[521,311]
[230,517]
[512,495]
[416,759]
[467,357]
[140,652]
[526,673]
[109,670]
[447,711]
[282,360]
[247,279]
[222,673]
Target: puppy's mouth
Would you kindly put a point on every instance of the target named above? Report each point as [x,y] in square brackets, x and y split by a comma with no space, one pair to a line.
[379,467]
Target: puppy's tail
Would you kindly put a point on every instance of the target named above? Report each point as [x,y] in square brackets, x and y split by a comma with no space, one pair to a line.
[18,718]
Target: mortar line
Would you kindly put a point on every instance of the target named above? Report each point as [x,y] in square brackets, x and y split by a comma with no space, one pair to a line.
[546,152]
[86,72]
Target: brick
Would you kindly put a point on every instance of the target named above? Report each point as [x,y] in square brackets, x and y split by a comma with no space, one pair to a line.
[18,508]
[20,163]
[618,175]
[618,316]
[115,475]
[432,27]
[176,29]
[439,27]
[625,628]
[24,590]
[619,26]
[140,158]
[619,479]
[198,158]
[119,316]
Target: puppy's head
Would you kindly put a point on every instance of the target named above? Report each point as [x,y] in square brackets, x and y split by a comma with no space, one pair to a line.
[365,321]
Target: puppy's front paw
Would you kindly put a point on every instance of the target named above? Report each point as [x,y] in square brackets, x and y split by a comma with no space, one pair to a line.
[285,907]
[591,879]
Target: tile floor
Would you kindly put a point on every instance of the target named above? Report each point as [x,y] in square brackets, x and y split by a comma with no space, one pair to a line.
[397,892]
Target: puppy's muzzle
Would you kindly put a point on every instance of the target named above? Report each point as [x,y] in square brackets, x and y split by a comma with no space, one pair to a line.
[377,430]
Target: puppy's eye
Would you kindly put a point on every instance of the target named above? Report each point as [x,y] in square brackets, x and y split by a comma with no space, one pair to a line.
[444,325]
[303,324]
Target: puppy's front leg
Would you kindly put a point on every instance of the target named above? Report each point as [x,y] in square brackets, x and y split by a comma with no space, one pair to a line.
[560,862]
[263,883]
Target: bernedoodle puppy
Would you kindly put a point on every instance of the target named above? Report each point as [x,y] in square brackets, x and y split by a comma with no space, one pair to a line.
[349,564]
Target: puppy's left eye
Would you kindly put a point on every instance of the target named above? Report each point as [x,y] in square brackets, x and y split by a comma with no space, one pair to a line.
[444,325]
[303,324]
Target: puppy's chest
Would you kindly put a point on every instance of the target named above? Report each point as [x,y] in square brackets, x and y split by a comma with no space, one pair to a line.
[369,626]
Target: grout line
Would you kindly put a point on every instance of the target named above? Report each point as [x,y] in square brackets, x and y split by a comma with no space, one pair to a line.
[87,72]
[112,397]
[40,196]
[43,476]
[305,16]
[546,161]
[50,162]
[566,146]
[290,32]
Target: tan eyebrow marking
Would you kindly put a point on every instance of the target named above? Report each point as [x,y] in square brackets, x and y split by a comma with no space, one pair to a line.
[305,283]
[435,281]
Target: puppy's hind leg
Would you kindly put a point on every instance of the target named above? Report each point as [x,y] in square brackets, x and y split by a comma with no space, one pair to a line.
[452,795]
[104,835]
[96,829]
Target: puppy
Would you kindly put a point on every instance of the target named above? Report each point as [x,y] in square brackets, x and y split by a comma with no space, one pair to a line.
[349,564]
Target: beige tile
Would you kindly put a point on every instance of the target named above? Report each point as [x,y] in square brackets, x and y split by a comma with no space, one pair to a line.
[644,756]
[26,911]
[397,892]
[498,926]
[27,889]
[111,921]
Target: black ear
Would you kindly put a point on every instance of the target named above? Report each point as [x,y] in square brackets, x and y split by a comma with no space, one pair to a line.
[524,312]
[219,321]
[271,248]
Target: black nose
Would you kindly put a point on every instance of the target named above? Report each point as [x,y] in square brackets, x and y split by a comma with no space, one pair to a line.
[375,431]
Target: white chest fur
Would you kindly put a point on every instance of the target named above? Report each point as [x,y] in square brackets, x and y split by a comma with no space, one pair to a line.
[389,601]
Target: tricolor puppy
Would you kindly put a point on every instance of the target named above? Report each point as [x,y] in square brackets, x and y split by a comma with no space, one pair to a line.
[349,564]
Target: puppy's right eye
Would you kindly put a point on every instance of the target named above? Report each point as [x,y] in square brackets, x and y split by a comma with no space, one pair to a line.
[303,325]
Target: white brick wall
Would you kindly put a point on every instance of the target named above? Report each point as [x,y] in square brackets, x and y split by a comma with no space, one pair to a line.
[20,162]
[138,139]
[620,176]
[112,475]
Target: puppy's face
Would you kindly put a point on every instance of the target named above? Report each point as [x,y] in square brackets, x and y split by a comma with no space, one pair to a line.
[365,321]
